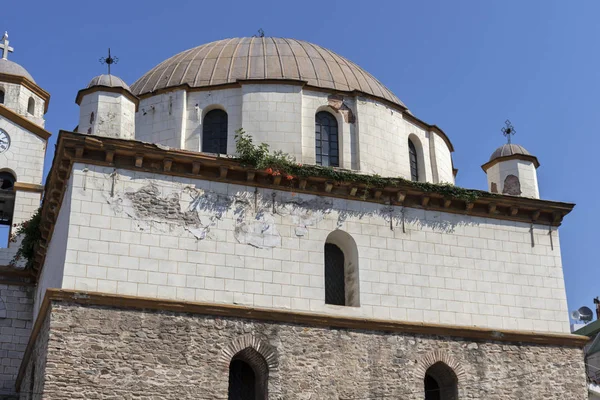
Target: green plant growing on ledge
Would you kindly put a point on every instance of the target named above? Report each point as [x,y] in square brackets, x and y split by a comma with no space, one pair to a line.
[259,157]
[30,235]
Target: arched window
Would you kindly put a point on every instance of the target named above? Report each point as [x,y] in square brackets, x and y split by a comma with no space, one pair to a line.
[341,270]
[31,106]
[214,132]
[1,96]
[440,383]
[414,161]
[92,117]
[248,376]
[327,151]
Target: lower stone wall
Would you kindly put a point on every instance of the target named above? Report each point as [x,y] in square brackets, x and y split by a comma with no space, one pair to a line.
[107,353]
[16,303]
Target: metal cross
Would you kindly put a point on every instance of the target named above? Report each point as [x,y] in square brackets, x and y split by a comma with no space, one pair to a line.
[5,47]
[109,60]
[508,130]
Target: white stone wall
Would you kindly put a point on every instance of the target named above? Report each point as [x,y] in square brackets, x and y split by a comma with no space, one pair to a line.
[16,98]
[113,115]
[200,103]
[25,156]
[284,117]
[445,268]
[525,171]
[160,119]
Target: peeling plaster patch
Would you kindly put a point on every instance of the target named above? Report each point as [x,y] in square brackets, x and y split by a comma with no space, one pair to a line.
[305,213]
[147,203]
[261,232]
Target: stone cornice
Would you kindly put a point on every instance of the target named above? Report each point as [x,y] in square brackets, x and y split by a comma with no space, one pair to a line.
[28,187]
[21,80]
[353,93]
[290,317]
[99,88]
[525,157]
[139,156]
[24,122]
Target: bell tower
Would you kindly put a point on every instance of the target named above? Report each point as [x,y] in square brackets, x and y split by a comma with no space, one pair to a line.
[23,141]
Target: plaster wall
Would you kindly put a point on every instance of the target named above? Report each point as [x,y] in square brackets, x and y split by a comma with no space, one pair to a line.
[168,237]
[114,115]
[16,98]
[525,171]
[374,140]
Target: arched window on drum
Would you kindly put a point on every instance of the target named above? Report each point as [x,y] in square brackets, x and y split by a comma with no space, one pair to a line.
[214,132]
[327,147]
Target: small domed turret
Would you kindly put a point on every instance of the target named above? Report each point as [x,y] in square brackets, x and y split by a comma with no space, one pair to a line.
[512,170]
[107,108]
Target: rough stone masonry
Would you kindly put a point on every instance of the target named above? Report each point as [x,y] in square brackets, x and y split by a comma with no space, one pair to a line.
[92,352]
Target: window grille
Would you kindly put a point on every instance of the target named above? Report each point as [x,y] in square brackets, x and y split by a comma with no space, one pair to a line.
[214,132]
[326,140]
[414,163]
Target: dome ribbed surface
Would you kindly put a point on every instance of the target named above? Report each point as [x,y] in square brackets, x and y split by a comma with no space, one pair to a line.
[108,80]
[256,58]
[509,150]
[12,68]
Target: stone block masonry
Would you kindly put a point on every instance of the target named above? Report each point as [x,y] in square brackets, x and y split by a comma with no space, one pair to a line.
[95,352]
[16,303]
[152,235]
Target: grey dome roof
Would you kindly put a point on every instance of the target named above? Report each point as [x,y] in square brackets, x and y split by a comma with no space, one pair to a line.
[108,80]
[509,150]
[259,58]
[12,68]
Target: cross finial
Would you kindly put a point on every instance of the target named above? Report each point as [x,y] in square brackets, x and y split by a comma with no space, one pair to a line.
[508,130]
[109,60]
[260,33]
[5,47]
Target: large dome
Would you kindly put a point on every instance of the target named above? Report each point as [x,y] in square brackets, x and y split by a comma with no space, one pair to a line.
[259,58]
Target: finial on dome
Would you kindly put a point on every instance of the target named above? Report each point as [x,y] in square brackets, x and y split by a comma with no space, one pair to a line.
[508,130]
[5,47]
[109,60]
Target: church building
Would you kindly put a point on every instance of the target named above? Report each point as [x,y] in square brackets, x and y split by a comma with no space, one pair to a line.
[261,218]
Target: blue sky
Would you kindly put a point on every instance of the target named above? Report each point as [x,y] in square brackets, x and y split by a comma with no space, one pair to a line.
[463,65]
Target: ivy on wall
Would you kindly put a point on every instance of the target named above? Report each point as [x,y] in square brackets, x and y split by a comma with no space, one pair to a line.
[279,163]
[30,234]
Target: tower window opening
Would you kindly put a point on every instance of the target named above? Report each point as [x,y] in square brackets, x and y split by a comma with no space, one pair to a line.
[327,151]
[414,161]
[1,96]
[92,117]
[214,132]
[31,106]
[341,270]
[7,205]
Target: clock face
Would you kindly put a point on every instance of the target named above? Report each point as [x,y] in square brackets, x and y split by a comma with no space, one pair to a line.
[4,141]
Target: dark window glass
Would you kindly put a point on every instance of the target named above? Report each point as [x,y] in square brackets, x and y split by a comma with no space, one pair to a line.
[432,388]
[92,117]
[242,381]
[335,287]
[326,140]
[1,96]
[414,163]
[214,132]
